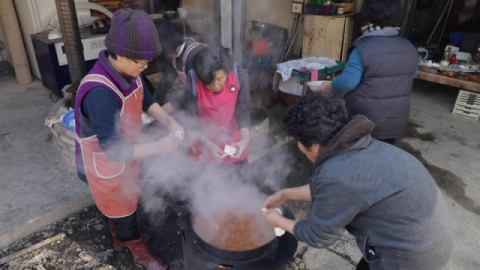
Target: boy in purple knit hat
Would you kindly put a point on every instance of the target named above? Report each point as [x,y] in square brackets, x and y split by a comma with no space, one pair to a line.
[108,110]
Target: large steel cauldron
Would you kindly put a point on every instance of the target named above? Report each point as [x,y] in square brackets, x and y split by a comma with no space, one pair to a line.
[200,255]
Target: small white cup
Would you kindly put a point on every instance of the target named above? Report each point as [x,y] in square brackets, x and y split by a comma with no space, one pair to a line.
[340,10]
[315,85]
[182,12]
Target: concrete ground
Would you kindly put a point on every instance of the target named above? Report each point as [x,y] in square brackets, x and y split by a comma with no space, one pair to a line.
[38,188]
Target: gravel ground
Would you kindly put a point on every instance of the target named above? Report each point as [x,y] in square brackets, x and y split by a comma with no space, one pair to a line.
[88,244]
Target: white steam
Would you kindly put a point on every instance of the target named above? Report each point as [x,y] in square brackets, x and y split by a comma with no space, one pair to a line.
[213,190]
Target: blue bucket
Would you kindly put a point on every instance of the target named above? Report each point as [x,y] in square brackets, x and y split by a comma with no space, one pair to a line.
[456,38]
[69,120]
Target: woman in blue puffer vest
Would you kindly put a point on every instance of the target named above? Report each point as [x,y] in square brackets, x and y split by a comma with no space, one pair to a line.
[381,66]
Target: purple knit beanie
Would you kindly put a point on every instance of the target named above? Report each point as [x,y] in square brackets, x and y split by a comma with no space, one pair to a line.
[133,35]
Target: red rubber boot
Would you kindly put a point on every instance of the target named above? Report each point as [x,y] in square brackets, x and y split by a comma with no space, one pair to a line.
[118,245]
[143,257]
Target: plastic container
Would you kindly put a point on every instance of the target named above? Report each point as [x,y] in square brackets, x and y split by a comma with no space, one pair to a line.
[182,12]
[456,38]
[446,59]
[69,120]
[287,98]
[328,70]
[453,59]
[256,46]
[315,85]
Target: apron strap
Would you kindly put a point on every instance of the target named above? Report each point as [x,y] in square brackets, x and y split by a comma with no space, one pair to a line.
[104,80]
[187,52]
[185,55]
[194,81]
[236,73]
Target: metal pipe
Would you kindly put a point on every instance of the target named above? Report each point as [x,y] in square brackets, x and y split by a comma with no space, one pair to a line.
[284,53]
[222,23]
[445,23]
[237,26]
[226,23]
[295,36]
[408,10]
[71,38]
[243,24]
[37,23]
[447,7]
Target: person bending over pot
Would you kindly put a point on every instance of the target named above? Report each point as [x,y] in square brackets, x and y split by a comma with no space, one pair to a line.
[176,60]
[379,193]
[217,95]
[108,120]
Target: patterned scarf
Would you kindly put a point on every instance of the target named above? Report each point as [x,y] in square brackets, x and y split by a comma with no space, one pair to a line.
[372,27]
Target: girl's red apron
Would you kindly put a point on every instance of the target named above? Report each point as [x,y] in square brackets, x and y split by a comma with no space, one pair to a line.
[114,184]
[217,118]
[183,75]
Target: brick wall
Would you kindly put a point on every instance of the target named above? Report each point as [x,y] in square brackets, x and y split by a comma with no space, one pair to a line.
[64,140]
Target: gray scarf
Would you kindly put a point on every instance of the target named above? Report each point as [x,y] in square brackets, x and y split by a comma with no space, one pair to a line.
[359,127]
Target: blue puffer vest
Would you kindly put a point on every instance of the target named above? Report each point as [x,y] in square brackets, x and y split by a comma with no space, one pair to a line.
[383,95]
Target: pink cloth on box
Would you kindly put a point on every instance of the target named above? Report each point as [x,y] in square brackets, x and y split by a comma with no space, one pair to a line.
[313,73]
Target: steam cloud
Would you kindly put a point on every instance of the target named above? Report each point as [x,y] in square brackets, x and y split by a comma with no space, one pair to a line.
[214,190]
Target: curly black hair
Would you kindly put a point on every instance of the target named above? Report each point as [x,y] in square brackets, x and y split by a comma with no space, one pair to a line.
[382,12]
[316,118]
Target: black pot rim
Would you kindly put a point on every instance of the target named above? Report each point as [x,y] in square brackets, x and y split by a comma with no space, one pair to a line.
[234,255]
[273,258]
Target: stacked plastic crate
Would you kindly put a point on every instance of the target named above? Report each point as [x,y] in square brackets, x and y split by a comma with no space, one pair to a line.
[467,105]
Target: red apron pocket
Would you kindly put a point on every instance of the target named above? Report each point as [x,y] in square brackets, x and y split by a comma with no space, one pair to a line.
[106,168]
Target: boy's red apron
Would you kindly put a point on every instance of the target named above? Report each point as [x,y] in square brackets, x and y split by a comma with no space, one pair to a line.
[217,118]
[114,185]
[183,75]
